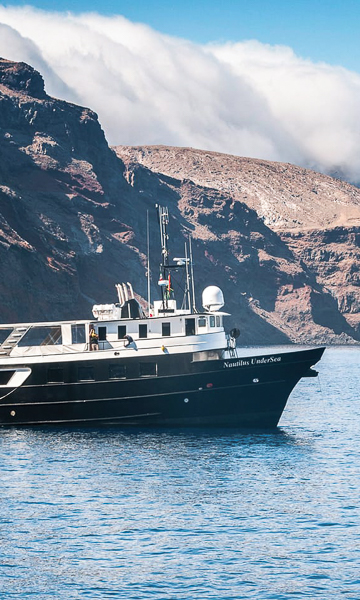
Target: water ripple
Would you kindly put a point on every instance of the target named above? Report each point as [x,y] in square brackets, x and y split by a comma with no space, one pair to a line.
[190,515]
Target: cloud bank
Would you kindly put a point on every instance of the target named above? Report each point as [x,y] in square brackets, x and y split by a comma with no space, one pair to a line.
[246,98]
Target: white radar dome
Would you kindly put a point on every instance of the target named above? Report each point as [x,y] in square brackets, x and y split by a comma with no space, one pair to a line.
[212,298]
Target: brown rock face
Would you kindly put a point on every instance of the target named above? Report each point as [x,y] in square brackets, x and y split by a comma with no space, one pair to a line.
[282,242]
[22,77]
[287,237]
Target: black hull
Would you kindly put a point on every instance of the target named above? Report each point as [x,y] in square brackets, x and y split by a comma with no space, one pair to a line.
[237,392]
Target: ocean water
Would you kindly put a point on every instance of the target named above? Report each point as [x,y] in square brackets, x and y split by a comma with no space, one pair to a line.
[190,514]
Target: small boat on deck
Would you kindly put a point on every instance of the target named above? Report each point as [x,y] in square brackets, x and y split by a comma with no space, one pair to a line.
[167,366]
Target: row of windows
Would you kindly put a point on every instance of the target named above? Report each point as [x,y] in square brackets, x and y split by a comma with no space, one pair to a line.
[51,335]
[146,369]
[214,321]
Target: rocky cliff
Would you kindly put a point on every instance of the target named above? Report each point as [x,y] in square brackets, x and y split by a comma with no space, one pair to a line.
[282,242]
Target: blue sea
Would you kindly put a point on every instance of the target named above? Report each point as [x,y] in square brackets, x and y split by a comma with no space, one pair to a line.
[190,514]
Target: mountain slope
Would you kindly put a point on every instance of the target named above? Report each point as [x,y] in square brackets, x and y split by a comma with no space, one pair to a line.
[73,218]
[283,195]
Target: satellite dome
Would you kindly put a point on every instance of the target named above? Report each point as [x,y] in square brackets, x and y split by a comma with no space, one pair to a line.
[212,298]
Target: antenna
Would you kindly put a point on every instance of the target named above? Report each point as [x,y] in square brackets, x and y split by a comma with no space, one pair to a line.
[148,259]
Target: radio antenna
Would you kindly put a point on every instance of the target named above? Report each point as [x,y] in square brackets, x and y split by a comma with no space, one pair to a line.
[148,260]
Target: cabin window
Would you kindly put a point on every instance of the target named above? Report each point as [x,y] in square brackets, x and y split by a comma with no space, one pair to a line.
[5,376]
[117,371]
[212,321]
[121,331]
[147,369]
[78,334]
[202,322]
[86,374]
[142,331]
[4,334]
[55,376]
[206,355]
[166,329]
[102,334]
[189,326]
[42,336]
[218,321]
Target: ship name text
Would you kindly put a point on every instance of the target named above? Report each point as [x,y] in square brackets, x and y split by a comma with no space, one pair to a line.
[242,362]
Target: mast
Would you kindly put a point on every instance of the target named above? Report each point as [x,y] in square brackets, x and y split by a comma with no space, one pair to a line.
[179,263]
[163,215]
[187,279]
[193,309]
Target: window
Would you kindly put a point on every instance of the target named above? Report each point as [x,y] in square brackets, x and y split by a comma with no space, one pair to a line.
[218,321]
[212,321]
[117,371]
[166,329]
[121,331]
[55,375]
[189,326]
[102,334]
[147,369]
[78,334]
[202,322]
[142,331]
[5,376]
[86,374]
[4,334]
[206,355]
[42,336]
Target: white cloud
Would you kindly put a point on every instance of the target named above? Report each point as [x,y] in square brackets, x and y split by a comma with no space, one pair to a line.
[243,98]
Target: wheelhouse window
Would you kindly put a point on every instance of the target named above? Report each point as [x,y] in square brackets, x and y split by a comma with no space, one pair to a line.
[202,322]
[218,321]
[212,321]
[42,336]
[142,331]
[121,331]
[166,331]
[86,374]
[148,369]
[78,334]
[55,376]
[117,371]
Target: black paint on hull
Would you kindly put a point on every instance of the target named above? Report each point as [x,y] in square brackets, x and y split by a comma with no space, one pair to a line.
[237,392]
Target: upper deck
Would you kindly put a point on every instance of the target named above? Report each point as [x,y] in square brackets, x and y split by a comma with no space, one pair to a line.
[174,333]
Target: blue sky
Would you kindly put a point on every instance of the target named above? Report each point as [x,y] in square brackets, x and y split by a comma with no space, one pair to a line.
[322,30]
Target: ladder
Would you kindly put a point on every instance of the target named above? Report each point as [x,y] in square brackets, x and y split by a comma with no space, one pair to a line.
[12,340]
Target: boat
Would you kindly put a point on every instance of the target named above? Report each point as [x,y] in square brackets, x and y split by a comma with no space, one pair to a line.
[160,365]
